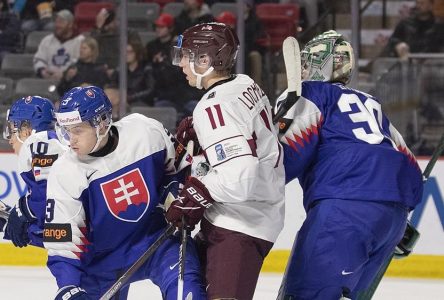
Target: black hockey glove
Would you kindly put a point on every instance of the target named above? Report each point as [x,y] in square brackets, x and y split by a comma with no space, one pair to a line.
[185,132]
[72,292]
[19,219]
[191,204]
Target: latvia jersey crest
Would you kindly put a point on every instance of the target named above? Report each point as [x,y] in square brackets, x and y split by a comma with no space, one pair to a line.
[127,196]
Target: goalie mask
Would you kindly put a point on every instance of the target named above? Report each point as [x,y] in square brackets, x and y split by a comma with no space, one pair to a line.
[33,111]
[84,104]
[327,57]
[213,45]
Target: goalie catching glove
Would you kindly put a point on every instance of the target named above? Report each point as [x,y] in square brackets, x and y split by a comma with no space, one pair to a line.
[191,204]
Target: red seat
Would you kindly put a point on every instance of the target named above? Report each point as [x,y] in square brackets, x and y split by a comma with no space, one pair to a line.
[160,2]
[85,14]
[279,21]
[276,28]
[278,9]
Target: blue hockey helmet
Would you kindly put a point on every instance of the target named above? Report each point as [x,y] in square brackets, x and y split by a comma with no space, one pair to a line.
[36,111]
[82,104]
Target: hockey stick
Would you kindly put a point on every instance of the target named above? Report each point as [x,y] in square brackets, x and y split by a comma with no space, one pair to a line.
[183,244]
[142,259]
[292,59]
[182,251]
[368,294]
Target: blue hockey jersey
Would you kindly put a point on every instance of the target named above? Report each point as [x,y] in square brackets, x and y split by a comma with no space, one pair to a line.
[104,212]
[341,145]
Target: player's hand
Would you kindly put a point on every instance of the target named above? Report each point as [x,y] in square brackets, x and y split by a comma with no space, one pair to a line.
[191,204]
[72,292]
[18,223]
[185,132]
[6,209]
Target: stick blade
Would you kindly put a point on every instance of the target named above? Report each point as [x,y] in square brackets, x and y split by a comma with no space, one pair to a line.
[292,59]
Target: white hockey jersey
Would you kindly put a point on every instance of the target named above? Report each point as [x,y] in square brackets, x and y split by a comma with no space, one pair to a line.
[108,207]
[234,126]
[35,159]
[57,56]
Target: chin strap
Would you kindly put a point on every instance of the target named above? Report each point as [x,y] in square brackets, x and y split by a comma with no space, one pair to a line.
[200,76]
[101,136]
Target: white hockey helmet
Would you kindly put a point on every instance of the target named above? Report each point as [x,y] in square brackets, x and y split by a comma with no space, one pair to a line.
[327,57]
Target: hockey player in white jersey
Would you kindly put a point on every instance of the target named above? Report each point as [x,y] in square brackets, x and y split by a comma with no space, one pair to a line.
[241,199]
[104,207]
[358,177]
[29,129]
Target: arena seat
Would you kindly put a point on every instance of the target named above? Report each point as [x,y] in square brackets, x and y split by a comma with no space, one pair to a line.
[173,8]
[85,14]
[165,115]
[36,86]
[33,40]
[17,66]
[142,15]
[6,89]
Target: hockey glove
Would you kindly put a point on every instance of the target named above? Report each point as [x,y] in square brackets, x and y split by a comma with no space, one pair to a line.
[4,213]
[185,132]
[191,203]
[19,219]
[72,292]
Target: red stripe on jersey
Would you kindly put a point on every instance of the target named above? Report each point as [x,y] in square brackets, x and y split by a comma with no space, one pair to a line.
[210,115]
[219,115]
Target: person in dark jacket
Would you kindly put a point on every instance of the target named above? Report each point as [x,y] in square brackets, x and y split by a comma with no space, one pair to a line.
[9,30]
[194,12]
[182,96]
[86,71]
[416,33]
[140,81]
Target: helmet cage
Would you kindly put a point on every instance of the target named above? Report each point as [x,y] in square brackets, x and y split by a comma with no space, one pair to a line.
[14,126]
[198,59]
[34,112]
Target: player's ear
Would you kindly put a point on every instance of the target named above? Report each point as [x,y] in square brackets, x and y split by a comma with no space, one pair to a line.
[25,131]
[204,61]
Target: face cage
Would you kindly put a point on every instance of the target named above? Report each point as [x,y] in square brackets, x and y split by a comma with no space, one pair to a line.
[63,132]
[179,53]
[339,60]
[13,127]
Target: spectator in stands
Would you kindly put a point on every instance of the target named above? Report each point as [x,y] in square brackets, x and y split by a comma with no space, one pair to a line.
[416,33]
[59,50]
[35,14]
[113,95]
[85,71]
[106,33]
[9,30]
[181,97]
[228,18]
[194,12]
[253,31]
[140,79]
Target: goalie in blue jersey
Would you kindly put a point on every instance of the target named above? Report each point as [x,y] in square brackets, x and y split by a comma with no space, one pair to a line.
[358,177]
[104,206]
[29,129]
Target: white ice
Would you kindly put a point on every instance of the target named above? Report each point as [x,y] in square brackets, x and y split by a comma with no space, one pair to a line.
[36,283]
